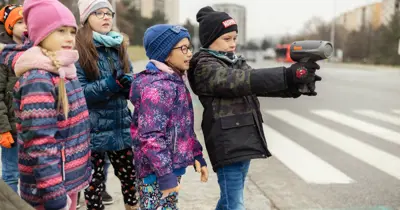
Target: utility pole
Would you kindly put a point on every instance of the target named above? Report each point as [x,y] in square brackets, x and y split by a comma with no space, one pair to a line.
[196,38]
[114,5]
[333,26]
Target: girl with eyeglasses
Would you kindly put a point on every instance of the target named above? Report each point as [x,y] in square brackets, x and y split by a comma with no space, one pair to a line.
[163,134]
[104,71]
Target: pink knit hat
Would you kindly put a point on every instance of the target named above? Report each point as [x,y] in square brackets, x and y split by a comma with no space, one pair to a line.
[44,16]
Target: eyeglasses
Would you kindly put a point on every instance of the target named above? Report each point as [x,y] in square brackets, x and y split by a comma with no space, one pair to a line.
[100,14]
[185,49]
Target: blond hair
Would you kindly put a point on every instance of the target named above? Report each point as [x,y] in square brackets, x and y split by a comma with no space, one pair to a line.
[62,92]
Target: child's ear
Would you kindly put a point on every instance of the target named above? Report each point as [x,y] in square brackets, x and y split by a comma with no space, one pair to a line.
[167,59]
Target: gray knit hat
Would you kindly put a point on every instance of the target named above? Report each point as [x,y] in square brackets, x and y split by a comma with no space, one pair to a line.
[86,7]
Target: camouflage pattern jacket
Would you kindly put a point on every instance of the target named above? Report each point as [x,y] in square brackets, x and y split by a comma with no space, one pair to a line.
[7,82]
[228,88]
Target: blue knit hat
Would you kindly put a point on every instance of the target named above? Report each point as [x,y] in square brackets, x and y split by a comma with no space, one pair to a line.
[159,40]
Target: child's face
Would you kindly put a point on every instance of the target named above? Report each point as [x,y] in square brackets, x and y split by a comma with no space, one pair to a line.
[181,55]
[19,29]
[101,20]
[62,38]
[225,43]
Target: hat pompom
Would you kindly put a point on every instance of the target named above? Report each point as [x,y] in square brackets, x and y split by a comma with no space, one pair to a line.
[203,12]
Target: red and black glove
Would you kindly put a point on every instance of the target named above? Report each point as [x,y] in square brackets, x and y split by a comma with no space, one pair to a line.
[301,76]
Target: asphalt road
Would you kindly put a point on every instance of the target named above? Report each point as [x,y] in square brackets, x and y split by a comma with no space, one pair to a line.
[338,150]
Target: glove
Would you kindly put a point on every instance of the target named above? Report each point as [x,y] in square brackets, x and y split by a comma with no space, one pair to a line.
[6,140]
[125,81]
[300,75]
[311,87]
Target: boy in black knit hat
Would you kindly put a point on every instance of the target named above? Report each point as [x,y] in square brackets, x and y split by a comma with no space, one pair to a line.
[228,89]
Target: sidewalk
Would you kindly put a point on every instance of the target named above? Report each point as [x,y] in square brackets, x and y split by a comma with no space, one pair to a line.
[195,195]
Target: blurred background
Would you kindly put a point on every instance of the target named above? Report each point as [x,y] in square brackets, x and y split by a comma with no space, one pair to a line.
[363,31]
[339,150]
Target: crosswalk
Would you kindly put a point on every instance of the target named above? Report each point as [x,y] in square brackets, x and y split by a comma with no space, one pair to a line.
[313,169]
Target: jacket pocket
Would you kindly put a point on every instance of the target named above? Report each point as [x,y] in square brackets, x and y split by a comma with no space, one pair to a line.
[239,135]
[236,121]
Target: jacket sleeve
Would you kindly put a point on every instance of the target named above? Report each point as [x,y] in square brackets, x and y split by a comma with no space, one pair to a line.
[198,153]
[211,78]
[4,123]
[11,52]
[126,92]
[153,115]
[99,90]
[36,102]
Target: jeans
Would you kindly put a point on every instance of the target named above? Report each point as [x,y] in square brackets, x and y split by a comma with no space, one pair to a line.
[9,161]
[231,180]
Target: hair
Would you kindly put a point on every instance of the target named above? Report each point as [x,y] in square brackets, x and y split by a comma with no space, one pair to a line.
[175,69]
[88,55]
[62,92]
[126,39]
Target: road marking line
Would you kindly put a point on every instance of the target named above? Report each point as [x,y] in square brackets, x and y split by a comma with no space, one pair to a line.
[305,164]
[393,119]
[379,159]
[369,128]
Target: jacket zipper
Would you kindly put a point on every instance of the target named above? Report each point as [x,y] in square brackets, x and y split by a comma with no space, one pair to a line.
[63,161]
[113,69]
[175,139]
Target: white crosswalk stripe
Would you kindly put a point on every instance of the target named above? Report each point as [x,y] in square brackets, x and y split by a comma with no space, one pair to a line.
[377,158]
[393,119]
[360,125]
[396,111]
[303,162]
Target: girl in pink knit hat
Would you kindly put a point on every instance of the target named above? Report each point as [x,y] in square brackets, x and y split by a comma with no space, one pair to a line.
[52,117]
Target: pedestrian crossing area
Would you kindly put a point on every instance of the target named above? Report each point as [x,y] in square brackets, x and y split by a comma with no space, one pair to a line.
[382,126]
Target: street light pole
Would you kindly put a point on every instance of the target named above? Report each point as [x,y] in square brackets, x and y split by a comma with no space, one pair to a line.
[333,25]
[114,5]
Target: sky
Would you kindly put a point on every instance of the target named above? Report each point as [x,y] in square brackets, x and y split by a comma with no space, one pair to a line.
[276,17]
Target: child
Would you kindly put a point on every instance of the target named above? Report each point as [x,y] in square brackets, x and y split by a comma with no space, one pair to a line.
[12,28]
[104,71]
[162,128]
[228,88]
[52,117]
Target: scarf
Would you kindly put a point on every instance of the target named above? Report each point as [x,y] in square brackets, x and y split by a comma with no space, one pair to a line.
[34,58]
[111,39]
[227,56]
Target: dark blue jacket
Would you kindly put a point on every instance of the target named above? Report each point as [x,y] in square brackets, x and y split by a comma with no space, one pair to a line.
[110,117]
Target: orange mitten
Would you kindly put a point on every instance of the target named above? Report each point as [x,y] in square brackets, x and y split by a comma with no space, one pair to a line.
[6,140]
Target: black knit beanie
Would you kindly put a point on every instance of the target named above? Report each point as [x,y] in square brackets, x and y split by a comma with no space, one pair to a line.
[213,24]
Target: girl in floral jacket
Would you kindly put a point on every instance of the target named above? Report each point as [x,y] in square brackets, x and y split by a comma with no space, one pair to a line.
[162,128]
